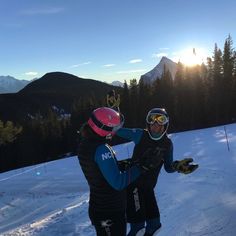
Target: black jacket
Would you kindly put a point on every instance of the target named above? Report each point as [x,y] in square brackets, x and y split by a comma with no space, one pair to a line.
[103,198]
[143,142]
[149,179]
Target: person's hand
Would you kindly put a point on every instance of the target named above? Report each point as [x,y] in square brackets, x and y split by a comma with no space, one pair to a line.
[124,164]
[184,166]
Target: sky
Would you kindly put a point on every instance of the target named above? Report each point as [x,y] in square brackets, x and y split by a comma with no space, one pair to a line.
[52,198]
[108,40]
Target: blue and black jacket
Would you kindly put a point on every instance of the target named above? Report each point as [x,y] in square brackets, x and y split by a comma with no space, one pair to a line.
[143,142]
[106,181]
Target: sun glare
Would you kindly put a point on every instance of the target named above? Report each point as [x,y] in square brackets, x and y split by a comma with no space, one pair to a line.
[192,56]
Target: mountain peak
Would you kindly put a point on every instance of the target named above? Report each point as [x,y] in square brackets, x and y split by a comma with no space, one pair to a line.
[164,58]
[58,75]
[158,70]
[117,83]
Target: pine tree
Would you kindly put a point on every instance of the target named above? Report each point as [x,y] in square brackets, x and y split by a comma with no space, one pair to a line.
[205,83]
[234,69]
[228,60]
[143,102]
[228,67]
[198,94]
[133,102]
[156,96]
[218,86]
[210,73]
[191,90]
[8,132]
[234,87]
[217,63]
[167,91]
[179,97]
[125,103]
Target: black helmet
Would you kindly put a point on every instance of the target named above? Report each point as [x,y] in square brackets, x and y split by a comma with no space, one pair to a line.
[159,116]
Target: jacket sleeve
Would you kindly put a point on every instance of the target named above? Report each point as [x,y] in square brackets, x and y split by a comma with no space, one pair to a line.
[107,163]
[168,160]
[134,135]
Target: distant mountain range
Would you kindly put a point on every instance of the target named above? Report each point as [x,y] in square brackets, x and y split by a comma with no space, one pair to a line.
[157,71]
[9,84]
[117,83]
[55,89]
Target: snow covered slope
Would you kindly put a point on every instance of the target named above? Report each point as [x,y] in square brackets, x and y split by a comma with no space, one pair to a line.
[52,198]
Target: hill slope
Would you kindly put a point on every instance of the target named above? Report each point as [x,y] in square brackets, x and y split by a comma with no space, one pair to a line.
[53,89]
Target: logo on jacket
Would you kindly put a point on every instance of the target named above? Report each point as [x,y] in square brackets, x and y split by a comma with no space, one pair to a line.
[107,155]
[136,199]
[106,223]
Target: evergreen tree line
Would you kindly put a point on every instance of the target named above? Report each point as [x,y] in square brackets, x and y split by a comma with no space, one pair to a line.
[198,97]
[44,136]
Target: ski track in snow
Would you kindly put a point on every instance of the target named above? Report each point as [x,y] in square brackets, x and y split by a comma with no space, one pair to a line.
[51,199]
[51,224]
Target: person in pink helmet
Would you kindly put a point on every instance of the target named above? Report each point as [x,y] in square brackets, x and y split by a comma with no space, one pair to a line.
[107,182]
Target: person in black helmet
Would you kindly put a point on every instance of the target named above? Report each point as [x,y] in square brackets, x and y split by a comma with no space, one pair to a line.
[151,143]
[107,183]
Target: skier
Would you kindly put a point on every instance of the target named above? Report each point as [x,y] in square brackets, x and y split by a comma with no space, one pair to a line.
[153,142]
[107,201]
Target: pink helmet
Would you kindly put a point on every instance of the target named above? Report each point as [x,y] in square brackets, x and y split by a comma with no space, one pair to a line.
[105,121]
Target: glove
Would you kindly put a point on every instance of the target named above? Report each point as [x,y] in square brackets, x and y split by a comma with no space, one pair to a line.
[184,166]
[124,164]
[151,159]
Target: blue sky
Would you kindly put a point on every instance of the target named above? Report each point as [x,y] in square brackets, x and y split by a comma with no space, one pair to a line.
[108,40]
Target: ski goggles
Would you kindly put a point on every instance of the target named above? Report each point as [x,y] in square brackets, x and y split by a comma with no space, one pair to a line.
[156,117]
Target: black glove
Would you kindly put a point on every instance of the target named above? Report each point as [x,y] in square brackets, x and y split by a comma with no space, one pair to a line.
[184,166]
[124,164]
[151,159]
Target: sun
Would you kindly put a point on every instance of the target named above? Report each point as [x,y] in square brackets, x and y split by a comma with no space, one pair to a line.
[192,56]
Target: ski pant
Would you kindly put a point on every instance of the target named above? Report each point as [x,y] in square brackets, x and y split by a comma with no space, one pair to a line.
[141,204]
[108,223]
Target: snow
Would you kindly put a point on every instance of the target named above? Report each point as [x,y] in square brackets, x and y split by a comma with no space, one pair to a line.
[117,83]
[9,84]
[52,198]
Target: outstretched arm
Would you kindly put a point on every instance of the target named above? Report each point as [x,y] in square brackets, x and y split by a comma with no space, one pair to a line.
[108,166]
[130,134]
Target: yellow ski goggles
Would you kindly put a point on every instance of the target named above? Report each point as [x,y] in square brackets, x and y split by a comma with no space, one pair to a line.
[156,117]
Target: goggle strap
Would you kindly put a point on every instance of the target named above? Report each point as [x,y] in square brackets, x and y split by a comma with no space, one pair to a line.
[100,124]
